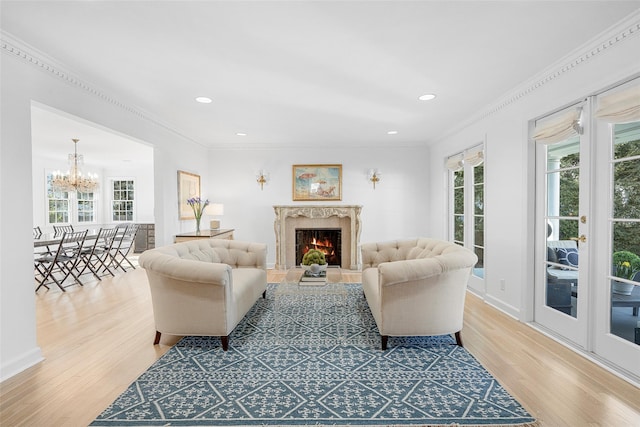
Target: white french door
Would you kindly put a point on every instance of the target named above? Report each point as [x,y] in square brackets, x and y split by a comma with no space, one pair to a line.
[588,225]
[563,238]
[617,185]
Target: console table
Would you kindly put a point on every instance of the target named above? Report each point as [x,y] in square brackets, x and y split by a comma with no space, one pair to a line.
[205,234]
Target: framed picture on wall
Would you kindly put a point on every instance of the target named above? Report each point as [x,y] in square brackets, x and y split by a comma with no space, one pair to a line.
[317,182]
[188,187]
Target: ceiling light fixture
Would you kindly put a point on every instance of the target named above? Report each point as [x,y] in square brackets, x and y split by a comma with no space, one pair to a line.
[241,134]
[73,179]
[204,100]
[427,97]
[392,132]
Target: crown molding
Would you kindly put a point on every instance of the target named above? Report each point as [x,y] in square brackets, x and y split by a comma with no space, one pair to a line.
[618,33]
[27,53]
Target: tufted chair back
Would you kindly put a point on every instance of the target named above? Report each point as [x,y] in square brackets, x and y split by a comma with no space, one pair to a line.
[234,253]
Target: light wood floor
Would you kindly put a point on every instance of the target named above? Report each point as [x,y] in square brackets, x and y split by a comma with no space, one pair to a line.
[98,339]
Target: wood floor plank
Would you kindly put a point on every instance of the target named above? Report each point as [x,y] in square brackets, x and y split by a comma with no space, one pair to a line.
[98,339]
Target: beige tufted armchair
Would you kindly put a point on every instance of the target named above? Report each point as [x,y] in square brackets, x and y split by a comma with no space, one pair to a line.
[204,287]
[416,287]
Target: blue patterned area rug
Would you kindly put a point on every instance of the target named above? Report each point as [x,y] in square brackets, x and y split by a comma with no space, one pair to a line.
[315,360]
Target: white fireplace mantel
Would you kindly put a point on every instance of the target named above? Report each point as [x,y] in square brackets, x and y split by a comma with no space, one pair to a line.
[288,217]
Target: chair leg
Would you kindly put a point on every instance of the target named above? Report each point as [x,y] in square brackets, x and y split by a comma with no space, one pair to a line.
[264,294]
[459,339]
[157,339]
[225,342]
[383,341]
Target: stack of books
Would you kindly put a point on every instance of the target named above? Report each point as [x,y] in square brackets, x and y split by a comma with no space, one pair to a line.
[308,276]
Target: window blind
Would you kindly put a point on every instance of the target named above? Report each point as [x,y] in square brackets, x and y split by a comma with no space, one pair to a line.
[558,127]
[455,163]
[474,156]
[621,106]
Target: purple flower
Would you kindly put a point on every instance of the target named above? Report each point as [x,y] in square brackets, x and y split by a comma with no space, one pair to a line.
[198,205]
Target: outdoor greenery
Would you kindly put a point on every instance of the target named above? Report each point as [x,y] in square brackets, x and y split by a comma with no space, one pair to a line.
[626,198]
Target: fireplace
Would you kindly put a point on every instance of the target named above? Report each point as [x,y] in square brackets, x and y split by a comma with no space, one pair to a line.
[345,218]
[327,241]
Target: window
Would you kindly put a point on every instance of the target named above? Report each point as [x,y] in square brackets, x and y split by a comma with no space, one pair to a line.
[58,206]
[458,207]
[122,205]
[478,218]
[86,207]
[69,207]
[466,202]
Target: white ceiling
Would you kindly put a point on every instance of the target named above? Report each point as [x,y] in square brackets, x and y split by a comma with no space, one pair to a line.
[52,132]
[308,73]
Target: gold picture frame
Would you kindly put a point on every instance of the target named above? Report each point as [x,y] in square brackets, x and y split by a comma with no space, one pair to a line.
[317,182]
[188,187]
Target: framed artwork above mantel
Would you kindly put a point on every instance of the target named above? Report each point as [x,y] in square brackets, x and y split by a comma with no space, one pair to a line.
[317,182]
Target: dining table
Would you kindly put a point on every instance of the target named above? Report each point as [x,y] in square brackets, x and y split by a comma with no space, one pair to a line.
[50,239]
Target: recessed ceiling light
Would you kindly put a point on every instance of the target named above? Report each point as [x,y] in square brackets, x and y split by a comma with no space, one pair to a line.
[241,134]
[203,100]
[427,97]
[392,132]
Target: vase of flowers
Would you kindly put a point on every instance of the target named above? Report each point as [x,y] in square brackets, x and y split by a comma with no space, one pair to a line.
[627,265]
[198,205]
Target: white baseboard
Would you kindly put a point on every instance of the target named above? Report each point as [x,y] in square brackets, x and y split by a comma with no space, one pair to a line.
[15,366]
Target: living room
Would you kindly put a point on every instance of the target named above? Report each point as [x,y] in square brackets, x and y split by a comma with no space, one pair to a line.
[410,200]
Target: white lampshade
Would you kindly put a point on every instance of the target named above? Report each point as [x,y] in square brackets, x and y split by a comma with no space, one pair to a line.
[216,209]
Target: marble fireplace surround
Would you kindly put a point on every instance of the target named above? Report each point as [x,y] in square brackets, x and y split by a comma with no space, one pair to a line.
[344,217]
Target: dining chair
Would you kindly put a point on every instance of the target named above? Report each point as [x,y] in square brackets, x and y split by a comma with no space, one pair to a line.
[96,254]
[41,250]
[61,262]
[124,242]
[59,229]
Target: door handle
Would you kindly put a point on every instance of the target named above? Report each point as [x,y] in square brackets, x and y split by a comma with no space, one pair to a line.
[581,239]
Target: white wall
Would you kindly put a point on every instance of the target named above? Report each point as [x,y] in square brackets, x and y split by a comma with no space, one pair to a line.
[397,208]
[24,79]
[142,174]
[509,165]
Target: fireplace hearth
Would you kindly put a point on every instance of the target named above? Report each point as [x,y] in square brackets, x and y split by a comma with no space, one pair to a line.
[345,218]
[327,241]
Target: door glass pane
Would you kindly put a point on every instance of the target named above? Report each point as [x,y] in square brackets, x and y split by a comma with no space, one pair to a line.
[458,201]
[478,195]
[564,154]
[458,178]
[478,270]
[563,202]
[479,231]
[627,140]
[458,229]
[625,232]
[562,269]
[626,193]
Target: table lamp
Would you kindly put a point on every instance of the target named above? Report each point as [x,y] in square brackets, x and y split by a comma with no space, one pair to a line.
[215,209]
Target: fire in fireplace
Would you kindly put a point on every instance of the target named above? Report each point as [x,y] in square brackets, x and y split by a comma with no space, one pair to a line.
[327,241]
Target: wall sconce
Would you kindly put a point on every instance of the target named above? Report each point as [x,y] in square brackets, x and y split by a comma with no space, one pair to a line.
[374,176]
[215,209]
[262,178]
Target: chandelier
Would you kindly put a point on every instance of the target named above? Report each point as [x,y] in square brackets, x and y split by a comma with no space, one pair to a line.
[73,179]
